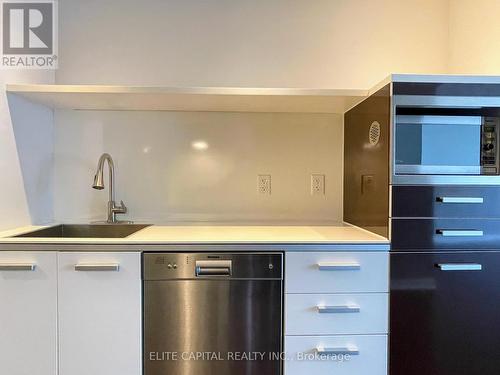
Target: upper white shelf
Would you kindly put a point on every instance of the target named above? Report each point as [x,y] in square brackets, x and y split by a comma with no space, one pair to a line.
[220,99]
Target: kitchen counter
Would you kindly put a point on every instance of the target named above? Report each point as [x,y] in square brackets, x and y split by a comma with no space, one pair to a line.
[341,234]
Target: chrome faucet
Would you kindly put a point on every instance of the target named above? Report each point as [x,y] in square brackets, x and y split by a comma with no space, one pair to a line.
[113,209]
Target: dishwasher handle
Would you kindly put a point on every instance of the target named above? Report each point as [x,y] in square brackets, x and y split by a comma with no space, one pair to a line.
[214,267]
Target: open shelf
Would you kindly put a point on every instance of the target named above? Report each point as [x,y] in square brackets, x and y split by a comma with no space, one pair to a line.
[218,99]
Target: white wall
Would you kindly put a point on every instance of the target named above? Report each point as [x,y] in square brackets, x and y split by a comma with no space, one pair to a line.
[14,209]
[474,37]
[162,178]
[261,43]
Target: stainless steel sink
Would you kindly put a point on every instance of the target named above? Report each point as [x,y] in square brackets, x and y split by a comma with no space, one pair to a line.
[86,231]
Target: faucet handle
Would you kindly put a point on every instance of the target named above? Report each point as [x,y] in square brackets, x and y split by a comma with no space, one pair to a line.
[123,207]
[119,209]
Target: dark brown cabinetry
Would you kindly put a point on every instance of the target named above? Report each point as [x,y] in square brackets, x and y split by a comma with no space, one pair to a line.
[445,280]
[445,234]
[445,321]
[421,159]
[446,201]
[366,172]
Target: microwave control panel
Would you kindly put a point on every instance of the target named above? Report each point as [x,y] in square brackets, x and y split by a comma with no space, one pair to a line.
[489,145]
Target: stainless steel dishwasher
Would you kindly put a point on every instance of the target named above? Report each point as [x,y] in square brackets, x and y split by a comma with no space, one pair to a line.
[213,313]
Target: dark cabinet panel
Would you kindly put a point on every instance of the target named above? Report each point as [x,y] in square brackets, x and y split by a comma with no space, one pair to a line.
[445,234]
[366,158]
[444,320]
[446,201]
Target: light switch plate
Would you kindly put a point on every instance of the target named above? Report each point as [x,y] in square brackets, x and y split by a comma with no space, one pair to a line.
[367,183]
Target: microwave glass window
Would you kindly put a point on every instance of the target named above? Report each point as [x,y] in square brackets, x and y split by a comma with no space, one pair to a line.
[437,145]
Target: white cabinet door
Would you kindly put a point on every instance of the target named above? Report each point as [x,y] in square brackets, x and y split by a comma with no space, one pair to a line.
[28,313]
[100,314]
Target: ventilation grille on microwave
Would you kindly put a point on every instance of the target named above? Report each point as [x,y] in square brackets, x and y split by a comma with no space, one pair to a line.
[374,133]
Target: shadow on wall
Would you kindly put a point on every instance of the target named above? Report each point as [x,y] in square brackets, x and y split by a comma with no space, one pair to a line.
[33,126]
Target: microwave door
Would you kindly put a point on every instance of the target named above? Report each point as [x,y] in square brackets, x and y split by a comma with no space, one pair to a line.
[438,145]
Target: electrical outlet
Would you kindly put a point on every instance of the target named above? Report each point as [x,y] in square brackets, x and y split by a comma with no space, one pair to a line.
[317,184]
[264,184]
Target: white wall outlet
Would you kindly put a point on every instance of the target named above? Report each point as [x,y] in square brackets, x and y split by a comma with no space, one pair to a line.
[264,184]
[317,184]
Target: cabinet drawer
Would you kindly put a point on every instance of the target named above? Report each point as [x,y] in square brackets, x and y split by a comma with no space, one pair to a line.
[369,355]
[344,272]
[427,234]
[336,314]
[446,201]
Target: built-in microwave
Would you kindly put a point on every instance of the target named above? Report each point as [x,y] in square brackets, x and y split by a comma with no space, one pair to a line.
[445,145]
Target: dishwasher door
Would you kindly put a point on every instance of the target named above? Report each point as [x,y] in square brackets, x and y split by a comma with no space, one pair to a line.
[212,314]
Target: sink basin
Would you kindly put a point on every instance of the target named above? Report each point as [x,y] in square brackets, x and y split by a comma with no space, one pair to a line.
[86,231]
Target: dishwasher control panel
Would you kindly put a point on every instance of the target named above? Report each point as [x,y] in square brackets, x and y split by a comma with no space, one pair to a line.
[164,266]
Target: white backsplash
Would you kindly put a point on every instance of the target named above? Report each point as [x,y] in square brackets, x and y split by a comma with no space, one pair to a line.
[162,178]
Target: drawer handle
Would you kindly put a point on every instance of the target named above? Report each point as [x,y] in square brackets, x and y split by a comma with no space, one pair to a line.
[338,309]
[97,267]
[460,199]
[17,266]
[328,266]
[459,233]
[338,351]
[460,266]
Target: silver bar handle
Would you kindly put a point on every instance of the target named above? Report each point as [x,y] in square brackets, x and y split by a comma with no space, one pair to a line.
[460,199]
[97,267]
[338,351]
[17,266]
[337,266]
[460,266]
[214,267]
[459,233]
[338,309]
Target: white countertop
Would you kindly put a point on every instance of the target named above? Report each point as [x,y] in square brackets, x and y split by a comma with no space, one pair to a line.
[203,234]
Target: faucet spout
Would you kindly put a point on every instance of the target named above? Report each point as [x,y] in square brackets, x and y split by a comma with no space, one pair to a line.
[98,184]
[99,176]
